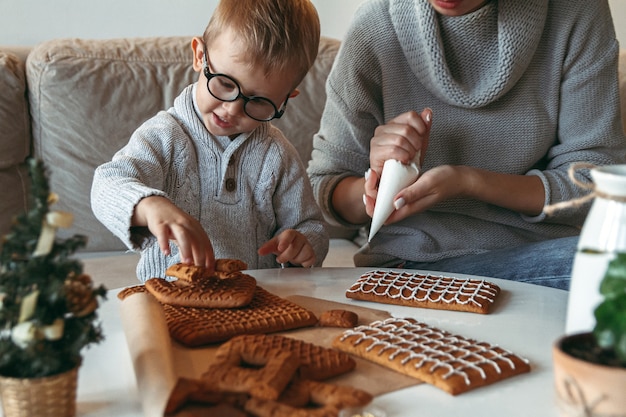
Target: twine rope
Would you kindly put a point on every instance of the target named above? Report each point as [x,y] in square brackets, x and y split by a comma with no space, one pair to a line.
[577,202]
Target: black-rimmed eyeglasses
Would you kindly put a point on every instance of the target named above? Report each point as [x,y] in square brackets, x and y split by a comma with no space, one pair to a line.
[225,88]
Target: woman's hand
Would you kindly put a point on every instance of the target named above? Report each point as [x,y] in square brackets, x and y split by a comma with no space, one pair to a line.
[401,139]
[406,135]
[432,187]
[520,193]
[169,223]
[404,138]
[290,246]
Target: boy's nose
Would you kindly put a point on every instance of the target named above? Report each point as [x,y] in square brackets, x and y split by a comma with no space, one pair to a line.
[234,107]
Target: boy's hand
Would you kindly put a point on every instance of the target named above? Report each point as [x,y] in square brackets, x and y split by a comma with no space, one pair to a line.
[167,222]
[290,246]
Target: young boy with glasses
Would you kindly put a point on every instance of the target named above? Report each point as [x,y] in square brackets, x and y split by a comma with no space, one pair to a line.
[210,177]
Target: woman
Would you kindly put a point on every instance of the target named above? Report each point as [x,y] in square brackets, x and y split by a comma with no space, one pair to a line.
[497,99]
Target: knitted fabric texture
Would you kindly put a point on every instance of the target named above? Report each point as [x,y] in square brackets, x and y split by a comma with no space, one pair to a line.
[519,87]
[242,191]
[488,49]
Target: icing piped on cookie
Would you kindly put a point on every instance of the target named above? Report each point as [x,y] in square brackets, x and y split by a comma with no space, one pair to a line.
[424,290]
[423,351]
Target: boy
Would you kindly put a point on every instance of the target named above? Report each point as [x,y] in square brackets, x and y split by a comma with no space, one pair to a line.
[210,177]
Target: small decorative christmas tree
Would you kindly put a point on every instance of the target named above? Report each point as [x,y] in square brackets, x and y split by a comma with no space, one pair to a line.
[47,304]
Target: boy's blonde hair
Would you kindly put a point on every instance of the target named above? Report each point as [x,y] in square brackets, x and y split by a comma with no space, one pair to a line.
[279,35]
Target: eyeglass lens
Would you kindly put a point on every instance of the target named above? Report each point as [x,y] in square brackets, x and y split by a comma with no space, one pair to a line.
[225,89]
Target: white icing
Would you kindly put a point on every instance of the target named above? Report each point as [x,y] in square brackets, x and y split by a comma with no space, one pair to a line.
[430,348]
[437,289]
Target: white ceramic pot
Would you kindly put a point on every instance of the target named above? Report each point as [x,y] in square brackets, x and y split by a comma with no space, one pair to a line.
[602,236]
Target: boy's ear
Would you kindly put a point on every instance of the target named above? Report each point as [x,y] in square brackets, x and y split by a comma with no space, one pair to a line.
[197,46]
[294,93]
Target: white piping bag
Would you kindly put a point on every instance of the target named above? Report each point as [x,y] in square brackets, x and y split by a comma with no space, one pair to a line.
[395,177]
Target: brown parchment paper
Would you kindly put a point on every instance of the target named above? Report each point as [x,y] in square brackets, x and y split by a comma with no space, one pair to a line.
[150,349]
[159,361]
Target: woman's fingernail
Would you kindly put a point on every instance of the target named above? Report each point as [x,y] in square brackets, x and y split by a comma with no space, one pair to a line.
[429,114]
[367,174]
[399,203]
[364,200]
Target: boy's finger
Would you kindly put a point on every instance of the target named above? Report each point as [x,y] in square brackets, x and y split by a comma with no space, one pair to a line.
[269,247]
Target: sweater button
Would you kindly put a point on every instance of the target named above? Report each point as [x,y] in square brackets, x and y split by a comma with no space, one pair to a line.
[230,184]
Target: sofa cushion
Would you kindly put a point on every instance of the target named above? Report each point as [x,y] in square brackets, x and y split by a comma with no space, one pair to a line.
[301,120]
[303,113]
[88,96]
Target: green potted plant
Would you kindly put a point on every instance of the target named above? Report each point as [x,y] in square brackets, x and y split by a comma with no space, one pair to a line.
[48,309]
[590,368]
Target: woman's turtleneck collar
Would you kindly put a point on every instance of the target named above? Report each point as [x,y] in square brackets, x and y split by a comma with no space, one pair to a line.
[474,59]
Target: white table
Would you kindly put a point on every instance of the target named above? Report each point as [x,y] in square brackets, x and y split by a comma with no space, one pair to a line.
[527,319]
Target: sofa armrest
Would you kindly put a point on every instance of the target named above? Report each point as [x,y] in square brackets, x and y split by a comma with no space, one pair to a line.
[14,136]
[622,84]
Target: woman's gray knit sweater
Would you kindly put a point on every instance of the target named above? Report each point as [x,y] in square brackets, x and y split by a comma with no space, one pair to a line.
[521,87]
[243,192]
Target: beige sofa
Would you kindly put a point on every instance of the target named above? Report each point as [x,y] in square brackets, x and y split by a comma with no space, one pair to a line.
[74,103]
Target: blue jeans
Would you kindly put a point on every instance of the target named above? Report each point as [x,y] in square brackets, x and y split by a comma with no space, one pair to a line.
[547,263]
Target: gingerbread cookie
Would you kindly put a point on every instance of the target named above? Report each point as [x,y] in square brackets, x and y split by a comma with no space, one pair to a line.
[189,273]
[128,291]
[304,398]
[413,289]
[266,313]
[453,363]
[301,398]
[262,375]
[237,291]
[316,362]
[338,318]
[230,265]
[196,390]
[224,267]
[260,371]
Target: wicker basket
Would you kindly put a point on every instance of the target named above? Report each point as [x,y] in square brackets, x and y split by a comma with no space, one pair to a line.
[52,396]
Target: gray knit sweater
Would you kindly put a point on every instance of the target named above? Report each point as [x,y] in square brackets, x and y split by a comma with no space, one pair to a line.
[521,87]
[243,191]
